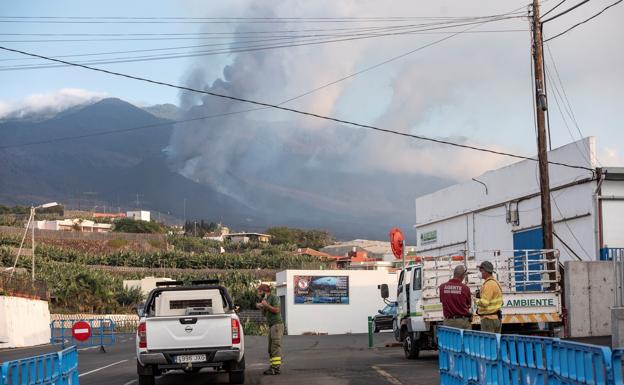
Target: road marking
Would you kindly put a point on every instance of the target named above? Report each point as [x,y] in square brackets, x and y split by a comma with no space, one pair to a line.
[102,368]
[387,376]
[130,382]
[90,347]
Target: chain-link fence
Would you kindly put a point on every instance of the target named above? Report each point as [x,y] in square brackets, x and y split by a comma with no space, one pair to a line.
[21,286]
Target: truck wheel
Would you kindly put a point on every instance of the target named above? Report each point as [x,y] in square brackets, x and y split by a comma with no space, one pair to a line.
[410,347]
[237,377]
[146,380]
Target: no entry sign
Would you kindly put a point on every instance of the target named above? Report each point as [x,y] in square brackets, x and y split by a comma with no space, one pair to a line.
[81,331]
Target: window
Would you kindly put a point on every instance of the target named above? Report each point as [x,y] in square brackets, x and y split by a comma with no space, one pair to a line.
[183,304]
[400,287]
[417,283]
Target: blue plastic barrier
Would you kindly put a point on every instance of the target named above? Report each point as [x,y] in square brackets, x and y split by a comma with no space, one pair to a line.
[471,357]
[616,364]
[526,360]
[451,346]
[576,363]
[102,333]
[60,368]
[482,358]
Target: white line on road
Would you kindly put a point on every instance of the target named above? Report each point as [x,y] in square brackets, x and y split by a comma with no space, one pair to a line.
[130,382]
[103,367]
[90,347]
[387,376]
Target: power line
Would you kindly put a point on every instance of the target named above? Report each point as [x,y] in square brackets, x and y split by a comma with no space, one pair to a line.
[300,112]
[231,43]
[560,90]
[553,8]
[250,48]
[218,20]
[247,110]
[564,12]
[583,22]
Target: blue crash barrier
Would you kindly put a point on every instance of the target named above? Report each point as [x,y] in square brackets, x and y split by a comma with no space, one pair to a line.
[469,357]
[102,333]
[60,368]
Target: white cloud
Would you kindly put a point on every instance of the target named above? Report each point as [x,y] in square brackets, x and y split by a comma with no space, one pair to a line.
[45,104]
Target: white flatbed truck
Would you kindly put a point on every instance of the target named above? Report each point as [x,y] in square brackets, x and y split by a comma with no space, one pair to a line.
[530,280]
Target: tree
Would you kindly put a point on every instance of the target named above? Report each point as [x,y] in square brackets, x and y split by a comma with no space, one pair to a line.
[314,239]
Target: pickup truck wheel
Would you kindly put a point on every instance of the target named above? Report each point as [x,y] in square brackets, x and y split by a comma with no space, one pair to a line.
[410,347]
[237,377]
[146,380]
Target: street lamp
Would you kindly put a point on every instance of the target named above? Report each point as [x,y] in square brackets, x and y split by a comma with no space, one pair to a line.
[30,222]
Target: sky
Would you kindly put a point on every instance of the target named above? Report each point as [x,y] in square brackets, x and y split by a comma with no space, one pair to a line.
[473,88]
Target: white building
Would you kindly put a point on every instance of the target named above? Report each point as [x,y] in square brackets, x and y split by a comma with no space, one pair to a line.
[146,284]
[140,215]
[80,225]
[340,303]
[500,210]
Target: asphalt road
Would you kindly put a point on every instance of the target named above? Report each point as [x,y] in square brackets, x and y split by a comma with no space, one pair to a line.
[309,360]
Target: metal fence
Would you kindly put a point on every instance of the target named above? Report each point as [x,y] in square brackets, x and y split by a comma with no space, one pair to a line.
[102,333]
[471,358]
[608,253]
[59,368]
[19,286]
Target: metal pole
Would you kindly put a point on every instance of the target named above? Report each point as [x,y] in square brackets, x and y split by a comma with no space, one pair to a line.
[370,331]
[32,214]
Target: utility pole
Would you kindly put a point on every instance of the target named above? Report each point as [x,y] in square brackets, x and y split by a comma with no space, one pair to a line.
[541,107]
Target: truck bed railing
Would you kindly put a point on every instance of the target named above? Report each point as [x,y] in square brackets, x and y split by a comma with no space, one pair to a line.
[516,270]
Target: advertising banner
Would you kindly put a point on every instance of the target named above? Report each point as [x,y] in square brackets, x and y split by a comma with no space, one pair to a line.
[319,289]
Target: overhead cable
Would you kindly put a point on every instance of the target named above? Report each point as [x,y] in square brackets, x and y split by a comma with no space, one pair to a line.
[583,22]
[300,112]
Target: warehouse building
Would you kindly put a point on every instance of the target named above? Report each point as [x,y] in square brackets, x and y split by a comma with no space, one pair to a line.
[501,209]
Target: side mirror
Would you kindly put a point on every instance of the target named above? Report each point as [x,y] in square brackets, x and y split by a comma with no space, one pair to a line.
[139,311]
[385,293]
[237,309]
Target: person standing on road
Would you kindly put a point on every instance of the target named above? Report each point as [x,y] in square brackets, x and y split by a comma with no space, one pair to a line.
[489,300]
[270,307]
[456,300]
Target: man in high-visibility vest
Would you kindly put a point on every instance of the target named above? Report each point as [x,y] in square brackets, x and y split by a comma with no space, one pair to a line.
[489,300]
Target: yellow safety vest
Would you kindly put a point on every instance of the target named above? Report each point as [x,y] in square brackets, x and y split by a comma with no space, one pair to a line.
[491,299]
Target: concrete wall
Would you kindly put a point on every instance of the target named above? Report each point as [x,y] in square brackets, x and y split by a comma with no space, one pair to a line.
[589,297]
[364,301]
[23,322]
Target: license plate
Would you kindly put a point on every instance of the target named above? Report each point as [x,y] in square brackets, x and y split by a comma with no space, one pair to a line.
[190,358]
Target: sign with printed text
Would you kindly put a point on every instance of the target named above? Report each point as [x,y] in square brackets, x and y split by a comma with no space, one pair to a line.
[429,237]
[320,289]
[530,302]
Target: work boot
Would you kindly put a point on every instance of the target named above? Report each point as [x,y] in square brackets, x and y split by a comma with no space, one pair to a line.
[272,371]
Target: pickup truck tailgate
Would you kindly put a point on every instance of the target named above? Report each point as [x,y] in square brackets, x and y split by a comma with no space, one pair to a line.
[188,332]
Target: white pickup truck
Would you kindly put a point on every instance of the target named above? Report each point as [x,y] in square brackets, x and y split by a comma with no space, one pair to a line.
[189,328]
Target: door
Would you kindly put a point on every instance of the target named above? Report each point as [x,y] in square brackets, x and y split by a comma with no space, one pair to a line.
[416,308]
[525,262]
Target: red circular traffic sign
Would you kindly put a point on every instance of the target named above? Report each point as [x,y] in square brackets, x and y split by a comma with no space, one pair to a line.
[81,331]
[397,241]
